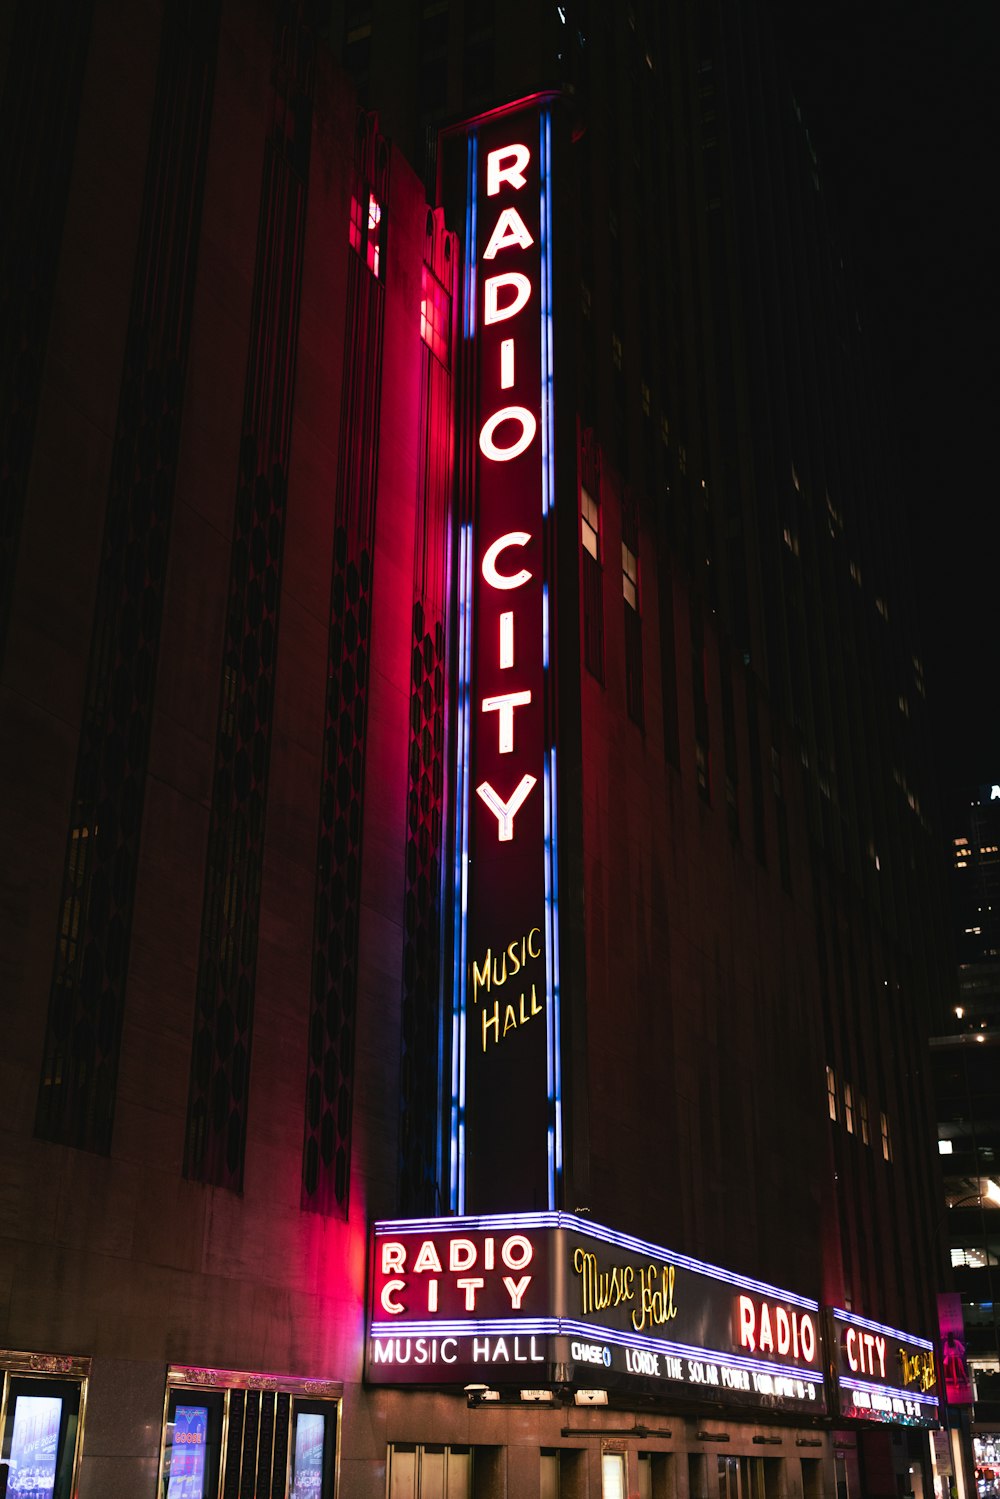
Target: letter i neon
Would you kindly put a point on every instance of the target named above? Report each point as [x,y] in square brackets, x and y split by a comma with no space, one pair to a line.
[507,639]
[506,363]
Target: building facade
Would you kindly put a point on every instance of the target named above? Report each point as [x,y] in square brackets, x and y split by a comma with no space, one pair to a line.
[966,1062]
[471,921]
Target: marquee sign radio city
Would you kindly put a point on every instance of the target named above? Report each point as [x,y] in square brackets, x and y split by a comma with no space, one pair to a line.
[883,1374]
[531,1298]
[506,957]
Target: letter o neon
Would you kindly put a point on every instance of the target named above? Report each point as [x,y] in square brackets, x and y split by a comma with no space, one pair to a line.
[517,1252]
[529,426]
[807,1337]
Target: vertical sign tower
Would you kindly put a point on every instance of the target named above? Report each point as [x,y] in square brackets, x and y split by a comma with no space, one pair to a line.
[506,1110]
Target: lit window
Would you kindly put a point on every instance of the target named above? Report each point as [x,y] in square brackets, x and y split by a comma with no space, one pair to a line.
[435,316]
[883,608]
[590,524]
[945,1147]
[863,1116]
[368,232]
[831,1093]
[630,577]
[886,1142]
[856,573]
[849,1108]
[616,351]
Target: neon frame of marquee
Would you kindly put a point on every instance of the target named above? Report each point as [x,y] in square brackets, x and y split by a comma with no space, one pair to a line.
[571,1326]
[460,884]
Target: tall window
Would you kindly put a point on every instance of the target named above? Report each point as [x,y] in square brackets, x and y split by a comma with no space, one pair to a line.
[699,693]
[593,584]
[729,750]
[849,1108]
[633,619]
[831,1093]
[886,1141]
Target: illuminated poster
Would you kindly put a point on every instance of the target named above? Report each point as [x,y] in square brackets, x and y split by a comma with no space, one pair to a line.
[954,1361]
[882,1374]
[505,1121]
[307,1476]
[529,1299]
[34,1449]
[187,1454]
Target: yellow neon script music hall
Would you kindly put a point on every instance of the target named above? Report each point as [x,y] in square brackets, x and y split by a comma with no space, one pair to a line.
[493,973]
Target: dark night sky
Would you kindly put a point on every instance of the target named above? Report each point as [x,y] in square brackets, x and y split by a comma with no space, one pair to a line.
[900,97]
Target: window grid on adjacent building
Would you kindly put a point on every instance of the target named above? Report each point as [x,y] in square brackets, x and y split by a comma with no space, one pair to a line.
[592,580]
[634,692]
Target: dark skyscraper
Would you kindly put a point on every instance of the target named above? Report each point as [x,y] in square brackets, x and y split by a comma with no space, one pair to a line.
[472,919]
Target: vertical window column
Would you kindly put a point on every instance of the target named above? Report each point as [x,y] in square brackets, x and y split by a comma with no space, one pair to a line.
[336,922]
[421,1018]
[592,590]
[634,695]
[76,1097]
[227,961]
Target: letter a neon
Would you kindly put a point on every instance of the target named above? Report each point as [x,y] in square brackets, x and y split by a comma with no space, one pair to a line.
[510,230]
[505,811]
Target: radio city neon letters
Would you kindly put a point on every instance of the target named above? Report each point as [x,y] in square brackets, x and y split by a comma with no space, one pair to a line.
[861,1349]
[505,295]
[457,1255]
[776,1329]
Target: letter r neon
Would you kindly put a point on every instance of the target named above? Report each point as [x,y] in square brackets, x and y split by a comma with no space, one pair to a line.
[497,172]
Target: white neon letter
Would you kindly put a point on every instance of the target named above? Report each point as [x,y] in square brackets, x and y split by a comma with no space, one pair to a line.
[505,580]
[808,1335]
[470,1284]
[748,1322]
[427,1258]
[461,1254]
[492,311]
[510,230]
[516,1289]
[506,363]
[393,1256]
[504,704]
[488,447]
[505,812]
[388,1304]
[497,173]
[506,639]
[517,1251]
[852,1338]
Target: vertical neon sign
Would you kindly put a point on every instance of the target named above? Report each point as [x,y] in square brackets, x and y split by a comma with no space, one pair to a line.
[505,1123]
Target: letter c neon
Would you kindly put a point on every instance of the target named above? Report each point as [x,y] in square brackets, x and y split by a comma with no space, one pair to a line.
[386,1297]
[505,580]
